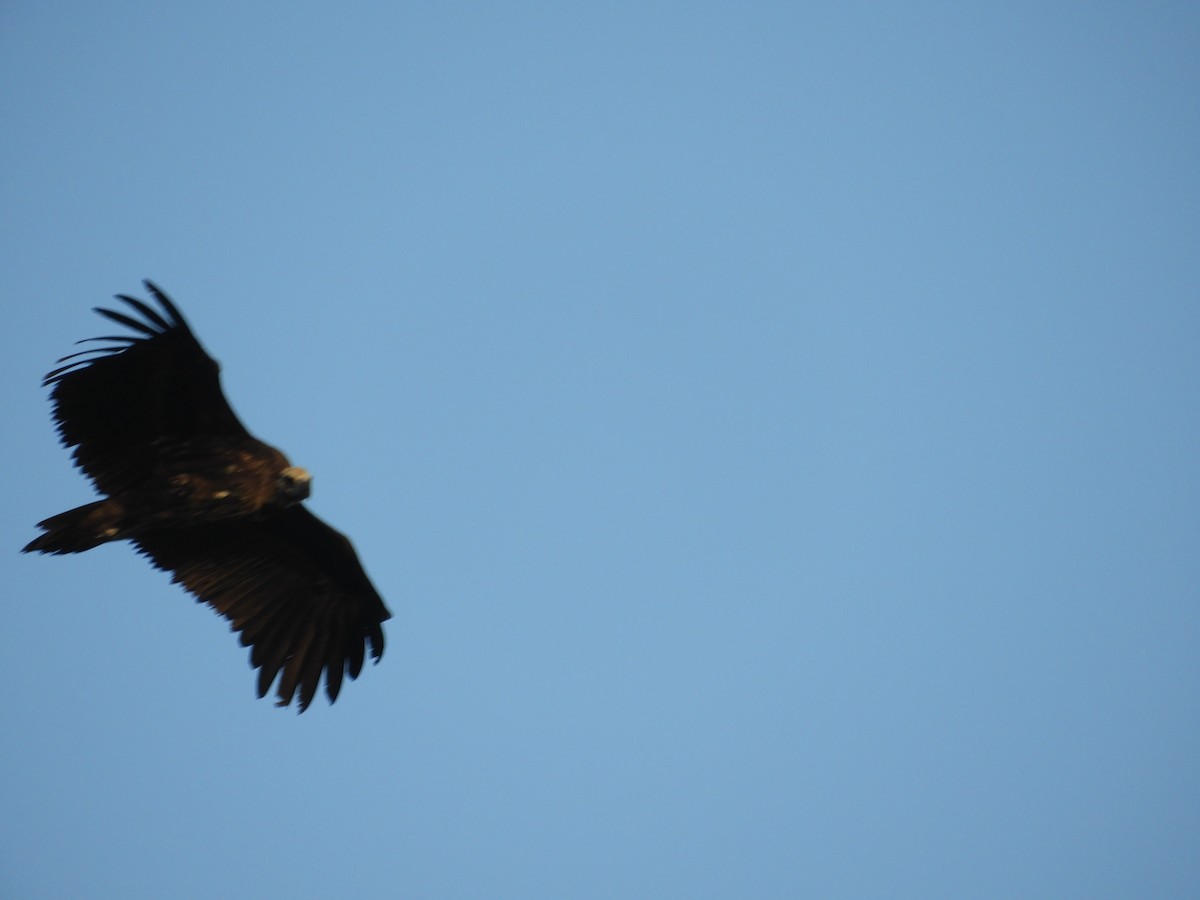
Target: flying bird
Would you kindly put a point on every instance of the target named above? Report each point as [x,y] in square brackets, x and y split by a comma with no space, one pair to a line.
[182,478]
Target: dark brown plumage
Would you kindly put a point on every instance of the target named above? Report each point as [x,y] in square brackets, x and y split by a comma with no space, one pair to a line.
[195,492]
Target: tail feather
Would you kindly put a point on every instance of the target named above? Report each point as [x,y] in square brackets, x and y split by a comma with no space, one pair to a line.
[79,529]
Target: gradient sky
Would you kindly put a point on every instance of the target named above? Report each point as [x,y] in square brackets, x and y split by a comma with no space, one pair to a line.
[773,426]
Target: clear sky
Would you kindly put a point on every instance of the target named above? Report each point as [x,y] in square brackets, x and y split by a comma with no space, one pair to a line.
[773,427]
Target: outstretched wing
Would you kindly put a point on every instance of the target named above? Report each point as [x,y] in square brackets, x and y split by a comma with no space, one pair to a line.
[293,587]
[113,403]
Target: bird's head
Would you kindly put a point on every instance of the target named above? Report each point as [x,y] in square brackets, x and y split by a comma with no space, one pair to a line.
[295,484]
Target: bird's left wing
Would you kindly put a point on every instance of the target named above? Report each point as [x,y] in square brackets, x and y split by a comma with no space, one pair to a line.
[291,585]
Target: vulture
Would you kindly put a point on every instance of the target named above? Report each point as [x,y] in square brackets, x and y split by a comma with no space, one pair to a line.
[146,420]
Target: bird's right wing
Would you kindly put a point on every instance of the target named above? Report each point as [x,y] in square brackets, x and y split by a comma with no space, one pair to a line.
[115,403]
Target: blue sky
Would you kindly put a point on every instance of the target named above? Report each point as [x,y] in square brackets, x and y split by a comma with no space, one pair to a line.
[773,427]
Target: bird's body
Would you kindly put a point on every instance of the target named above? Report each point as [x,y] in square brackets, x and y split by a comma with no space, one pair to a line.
[190,484]
[203,498]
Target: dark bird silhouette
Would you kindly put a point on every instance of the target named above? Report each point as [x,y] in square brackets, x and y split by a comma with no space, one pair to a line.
[147,422]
